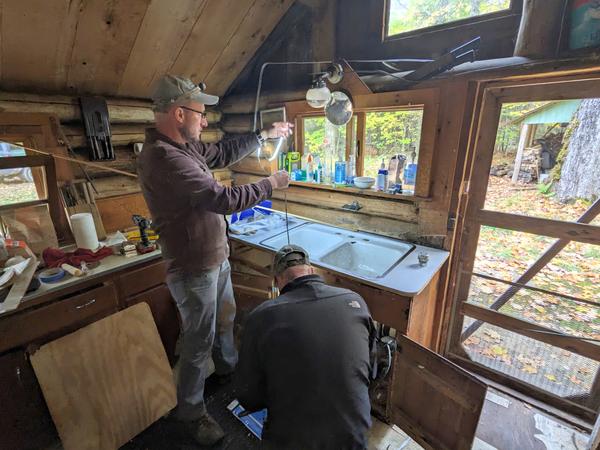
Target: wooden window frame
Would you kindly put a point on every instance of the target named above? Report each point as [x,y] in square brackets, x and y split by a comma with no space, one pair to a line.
[514,9]
[427,99]
[472,215]
[52,197]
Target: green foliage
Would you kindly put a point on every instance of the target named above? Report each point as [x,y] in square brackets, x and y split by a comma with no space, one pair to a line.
[388,133]
[323,139]
[407,15]
[507,138]
[545,189]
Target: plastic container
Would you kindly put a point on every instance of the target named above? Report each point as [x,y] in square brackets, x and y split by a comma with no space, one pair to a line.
[382,177]
[340,172]
[293,161]
[410,174]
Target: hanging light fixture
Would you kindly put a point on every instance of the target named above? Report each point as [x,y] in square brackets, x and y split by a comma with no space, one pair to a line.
[318,95]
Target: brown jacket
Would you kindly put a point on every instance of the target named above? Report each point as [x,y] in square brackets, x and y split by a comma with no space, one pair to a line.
[187,204]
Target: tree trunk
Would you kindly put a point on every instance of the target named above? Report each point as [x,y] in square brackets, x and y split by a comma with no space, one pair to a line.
[580,173]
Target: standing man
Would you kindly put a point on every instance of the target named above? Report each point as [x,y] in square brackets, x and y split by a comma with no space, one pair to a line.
[187,207]
[306,357]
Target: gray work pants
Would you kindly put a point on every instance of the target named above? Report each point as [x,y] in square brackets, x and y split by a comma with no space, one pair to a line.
[207,309]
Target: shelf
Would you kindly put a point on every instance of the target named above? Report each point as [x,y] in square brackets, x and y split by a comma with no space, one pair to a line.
[357,191]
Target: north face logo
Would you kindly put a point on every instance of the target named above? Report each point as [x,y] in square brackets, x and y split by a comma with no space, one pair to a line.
[354,304]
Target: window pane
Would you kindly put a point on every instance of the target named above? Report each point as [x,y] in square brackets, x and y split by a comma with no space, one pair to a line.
[16,185]
[407,15]
[390,133]
[326,141]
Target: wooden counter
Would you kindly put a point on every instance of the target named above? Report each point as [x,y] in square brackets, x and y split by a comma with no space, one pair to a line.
[57,310]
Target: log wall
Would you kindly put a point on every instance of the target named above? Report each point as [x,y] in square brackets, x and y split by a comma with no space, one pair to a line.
[128,119]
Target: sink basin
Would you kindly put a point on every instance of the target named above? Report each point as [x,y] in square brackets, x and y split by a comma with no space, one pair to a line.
[314,238]
[371,258]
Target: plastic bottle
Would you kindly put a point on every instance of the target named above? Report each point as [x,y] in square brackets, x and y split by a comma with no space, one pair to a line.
[318,173]
[340,172]
[309,167]
[351,170]
[382,177]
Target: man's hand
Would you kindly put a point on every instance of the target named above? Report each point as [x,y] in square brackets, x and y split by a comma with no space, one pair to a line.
[279,180]
[279,129]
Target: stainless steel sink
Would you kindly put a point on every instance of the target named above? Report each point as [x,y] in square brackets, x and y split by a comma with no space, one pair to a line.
[316,239]
[371,258]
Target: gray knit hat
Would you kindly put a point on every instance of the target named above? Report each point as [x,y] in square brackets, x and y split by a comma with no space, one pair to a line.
[171,89]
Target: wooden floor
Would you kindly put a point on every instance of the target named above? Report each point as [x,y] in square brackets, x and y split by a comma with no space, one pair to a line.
[506,423]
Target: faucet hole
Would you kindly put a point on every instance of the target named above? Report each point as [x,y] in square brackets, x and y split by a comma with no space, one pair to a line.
[353,242]
[338,233]
[366,240]
[351,237]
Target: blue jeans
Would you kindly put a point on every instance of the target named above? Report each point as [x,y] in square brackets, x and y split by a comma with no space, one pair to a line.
[207,309]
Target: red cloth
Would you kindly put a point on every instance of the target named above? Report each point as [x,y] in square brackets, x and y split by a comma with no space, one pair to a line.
[53,257]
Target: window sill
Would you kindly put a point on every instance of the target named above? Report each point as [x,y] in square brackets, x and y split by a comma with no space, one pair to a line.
[356,191]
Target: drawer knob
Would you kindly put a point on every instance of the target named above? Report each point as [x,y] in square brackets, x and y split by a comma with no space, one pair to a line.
[86,304]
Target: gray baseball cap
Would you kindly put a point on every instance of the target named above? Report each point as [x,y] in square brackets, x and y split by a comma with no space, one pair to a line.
[171,89]
[288,256]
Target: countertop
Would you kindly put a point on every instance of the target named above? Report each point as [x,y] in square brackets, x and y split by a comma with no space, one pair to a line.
[107,265]
[407,278]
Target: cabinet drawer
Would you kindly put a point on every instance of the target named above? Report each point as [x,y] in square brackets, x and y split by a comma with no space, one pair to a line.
[139,280]
[58,318]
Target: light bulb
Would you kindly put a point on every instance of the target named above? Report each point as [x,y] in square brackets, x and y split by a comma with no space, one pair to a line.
[318,95]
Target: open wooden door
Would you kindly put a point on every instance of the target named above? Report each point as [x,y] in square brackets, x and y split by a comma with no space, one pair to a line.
[432,399]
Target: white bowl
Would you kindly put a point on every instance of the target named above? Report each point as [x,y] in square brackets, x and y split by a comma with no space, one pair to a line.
[364,182]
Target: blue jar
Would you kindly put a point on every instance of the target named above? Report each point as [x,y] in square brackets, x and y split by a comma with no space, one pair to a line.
[340,172]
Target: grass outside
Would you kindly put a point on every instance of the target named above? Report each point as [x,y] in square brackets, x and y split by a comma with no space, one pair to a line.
[15,192]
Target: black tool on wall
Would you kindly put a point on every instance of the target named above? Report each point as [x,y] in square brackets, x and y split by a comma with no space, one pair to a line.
[94,112]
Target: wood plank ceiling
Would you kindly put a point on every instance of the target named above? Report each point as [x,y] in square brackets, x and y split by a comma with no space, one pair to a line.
[116,47]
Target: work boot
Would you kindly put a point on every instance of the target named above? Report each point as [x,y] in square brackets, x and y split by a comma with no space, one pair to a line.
[206,431]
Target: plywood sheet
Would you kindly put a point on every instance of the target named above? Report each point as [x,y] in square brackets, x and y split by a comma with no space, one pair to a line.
[116,212]
[106,382]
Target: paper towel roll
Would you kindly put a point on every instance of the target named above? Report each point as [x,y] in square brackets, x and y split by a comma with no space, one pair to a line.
[84,231]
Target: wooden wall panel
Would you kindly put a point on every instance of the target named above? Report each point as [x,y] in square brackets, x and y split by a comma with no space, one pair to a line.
[259,21]
[36,42]
[116,212]
[121,48]
[105,34]
[164,43]
[199,54]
